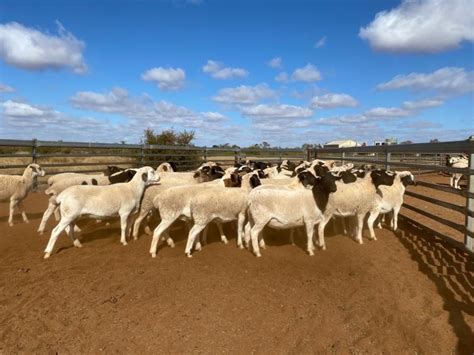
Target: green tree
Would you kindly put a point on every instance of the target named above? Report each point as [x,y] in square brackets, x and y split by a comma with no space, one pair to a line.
[168,137]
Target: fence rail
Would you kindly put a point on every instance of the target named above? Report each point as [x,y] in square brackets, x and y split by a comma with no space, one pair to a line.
[423,157]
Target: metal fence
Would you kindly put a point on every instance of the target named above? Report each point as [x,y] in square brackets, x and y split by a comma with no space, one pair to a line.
[56,157]
[420,159]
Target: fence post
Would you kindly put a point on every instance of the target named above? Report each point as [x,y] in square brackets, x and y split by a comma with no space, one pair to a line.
[34,151]
[205,154]
[142,155]
[308,154]
[468,240]
[279,155]
[388,157]
[343,155]
[236,156]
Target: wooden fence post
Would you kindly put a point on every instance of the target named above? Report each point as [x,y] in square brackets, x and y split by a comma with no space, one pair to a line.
[34,151]
[468,239]
[388,157]
[142,155]
[205,154]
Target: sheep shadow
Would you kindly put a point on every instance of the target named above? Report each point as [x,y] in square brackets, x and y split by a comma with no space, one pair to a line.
[18,219]
[452,271]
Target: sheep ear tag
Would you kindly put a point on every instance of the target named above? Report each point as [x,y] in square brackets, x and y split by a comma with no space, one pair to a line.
[144,177]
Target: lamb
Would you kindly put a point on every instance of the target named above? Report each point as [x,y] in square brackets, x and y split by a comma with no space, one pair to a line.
[15,188]
[63,183]
[356,199]
[213,204]
[284,207]
[457,162]
[166,167]
[100,201]
[174,203]
[392,196]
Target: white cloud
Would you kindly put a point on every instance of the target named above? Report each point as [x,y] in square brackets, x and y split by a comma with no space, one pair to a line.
[276,111]
[276,63]
[244,95]
[308,73]
[21,109]
[214,116]
[5,89]
[421,104]
[166,78]
[333,101]
[423,26]
[218,71]
[449,80]
[282,77]
[387,112]
[321,42]
[28,48]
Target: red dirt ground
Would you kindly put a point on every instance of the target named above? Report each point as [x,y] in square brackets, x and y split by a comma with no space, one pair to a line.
[401,294]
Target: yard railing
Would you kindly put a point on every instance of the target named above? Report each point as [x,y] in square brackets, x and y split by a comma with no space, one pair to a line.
[421,159]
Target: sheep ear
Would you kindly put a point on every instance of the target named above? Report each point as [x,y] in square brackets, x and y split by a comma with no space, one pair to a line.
[144,177]
[94,182]
[34,169]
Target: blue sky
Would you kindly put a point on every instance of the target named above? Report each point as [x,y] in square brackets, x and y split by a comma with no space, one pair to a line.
[239,72]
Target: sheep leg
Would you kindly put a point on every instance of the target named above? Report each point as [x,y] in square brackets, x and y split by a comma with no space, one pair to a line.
[137,223]
[63,223]
[70,233]
[57,215]
[456,181]
[240,230]
[13,204]
[360,225]
[52,207]
[204,235]
[344,227]
[396,210]
[451,180]
[247,235]
[309,234]
[123,228]
[292,238]
[23,214]
[169,240]
[221,232]
[322,225]
[128,230]
[370,224]
[193,233]
[254,233]
[159,230]
[197,241]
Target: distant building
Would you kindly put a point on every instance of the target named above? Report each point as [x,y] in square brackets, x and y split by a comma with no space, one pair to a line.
[347,143]
[387,141]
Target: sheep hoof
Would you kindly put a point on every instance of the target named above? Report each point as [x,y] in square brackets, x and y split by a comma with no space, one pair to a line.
[323,247]
[124,243]
[46,255]
[258,255]
[198,247]
[189,255]
[224,240]
[171,244]
[77,243]
[360,241]
[40,232]
[379,226]
[240,246]
[10,224]
[153,255]
[26,221]
[310,252]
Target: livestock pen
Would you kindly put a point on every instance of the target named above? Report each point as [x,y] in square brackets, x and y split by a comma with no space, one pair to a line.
[410,291]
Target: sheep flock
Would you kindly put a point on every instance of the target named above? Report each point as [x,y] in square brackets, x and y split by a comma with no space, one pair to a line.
[251,195]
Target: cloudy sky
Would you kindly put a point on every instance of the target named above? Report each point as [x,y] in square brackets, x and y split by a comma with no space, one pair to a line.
[239,72]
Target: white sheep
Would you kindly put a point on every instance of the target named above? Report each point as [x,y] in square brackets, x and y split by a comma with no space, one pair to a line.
[392,196]
[62,183]
[100,202]
[213,204]
[204,173]
[355,199]
[457,162]
[285,207]
[15,188]
[174,203]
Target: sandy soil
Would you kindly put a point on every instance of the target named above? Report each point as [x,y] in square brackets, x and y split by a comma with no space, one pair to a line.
[401,294]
